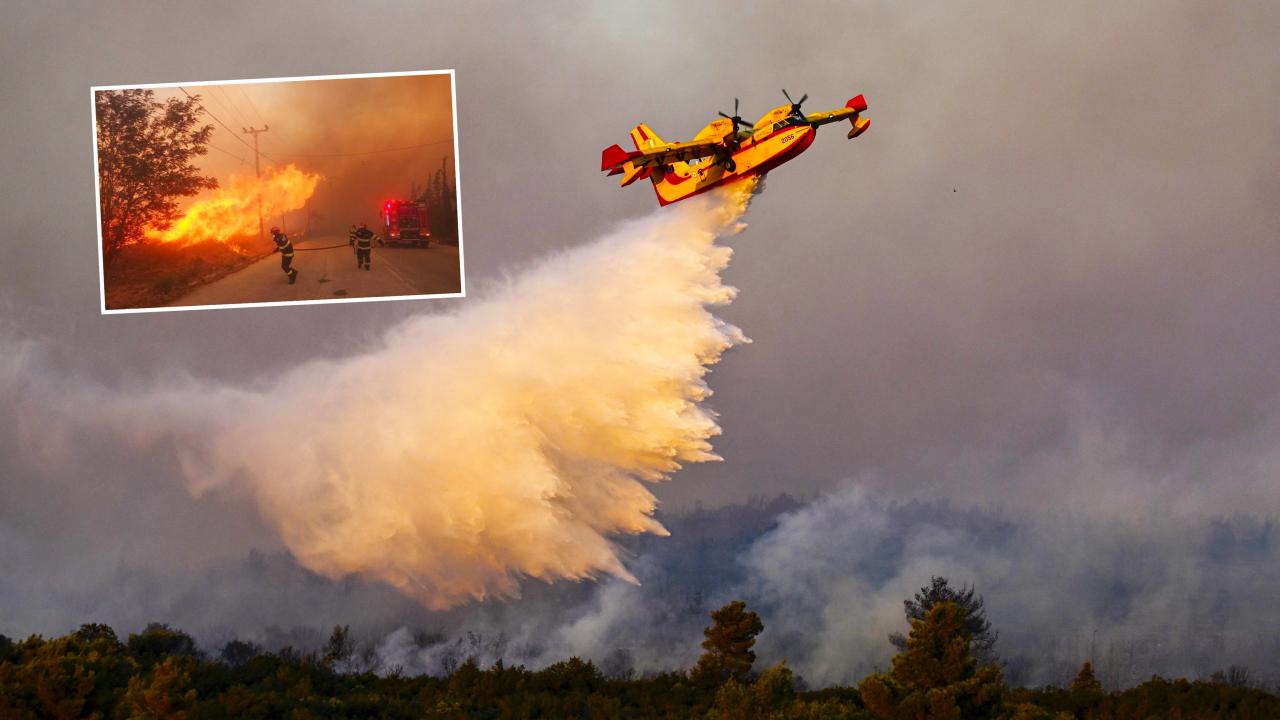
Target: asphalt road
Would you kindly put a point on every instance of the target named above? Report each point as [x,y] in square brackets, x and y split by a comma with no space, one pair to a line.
[331,274]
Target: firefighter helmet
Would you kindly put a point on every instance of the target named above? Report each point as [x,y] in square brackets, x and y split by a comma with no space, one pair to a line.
[275,229]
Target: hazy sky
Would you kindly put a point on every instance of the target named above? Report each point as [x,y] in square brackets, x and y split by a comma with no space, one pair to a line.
[1046,277]
[335,128]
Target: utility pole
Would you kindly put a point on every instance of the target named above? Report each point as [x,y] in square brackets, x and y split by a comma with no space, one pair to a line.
[257,169]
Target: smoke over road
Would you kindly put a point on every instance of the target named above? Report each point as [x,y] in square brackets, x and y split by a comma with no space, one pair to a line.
[512,439]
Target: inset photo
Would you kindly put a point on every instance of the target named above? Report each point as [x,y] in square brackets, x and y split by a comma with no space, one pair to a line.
[278,192]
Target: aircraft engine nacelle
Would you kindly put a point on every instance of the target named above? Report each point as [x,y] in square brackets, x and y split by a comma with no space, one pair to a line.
[858,125]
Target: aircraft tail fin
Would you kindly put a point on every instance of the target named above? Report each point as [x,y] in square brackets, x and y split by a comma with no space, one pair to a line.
[644,137]
[857,124]
[616,161]
[612,157]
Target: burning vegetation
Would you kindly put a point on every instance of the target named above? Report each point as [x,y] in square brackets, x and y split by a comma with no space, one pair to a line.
[152,250]
[230,214]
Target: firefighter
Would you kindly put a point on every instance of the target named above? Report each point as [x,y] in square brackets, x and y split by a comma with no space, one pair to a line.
[364,245]
[284,246]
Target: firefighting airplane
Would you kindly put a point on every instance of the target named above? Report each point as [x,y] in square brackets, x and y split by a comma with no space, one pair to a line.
[722,153]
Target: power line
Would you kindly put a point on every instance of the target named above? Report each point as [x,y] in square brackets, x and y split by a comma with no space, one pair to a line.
[367,152]
[215,147]
[226,152]
[224,108]
[251,105]
[215,118]
[274,154]
[235,109]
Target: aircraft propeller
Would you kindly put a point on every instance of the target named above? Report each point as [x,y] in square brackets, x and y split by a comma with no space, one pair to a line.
[736,118]
[795,106]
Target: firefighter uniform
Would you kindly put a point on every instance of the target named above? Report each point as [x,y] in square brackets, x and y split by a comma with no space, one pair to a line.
[284,246]
[364,246]
[351,236]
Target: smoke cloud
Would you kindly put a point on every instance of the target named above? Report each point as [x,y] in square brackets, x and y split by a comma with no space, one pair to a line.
[346,130]
[1134,596]
[829,577]
[513,439]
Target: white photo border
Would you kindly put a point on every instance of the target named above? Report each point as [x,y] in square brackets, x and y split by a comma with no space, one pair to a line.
[97,192]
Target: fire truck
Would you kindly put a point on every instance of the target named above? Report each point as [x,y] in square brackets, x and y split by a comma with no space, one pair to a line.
[405,221]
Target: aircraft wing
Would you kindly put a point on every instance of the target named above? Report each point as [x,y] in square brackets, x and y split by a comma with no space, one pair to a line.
[617,161]
[681,151]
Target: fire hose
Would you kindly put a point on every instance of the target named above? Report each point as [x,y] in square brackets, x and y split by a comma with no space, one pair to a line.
[326,247]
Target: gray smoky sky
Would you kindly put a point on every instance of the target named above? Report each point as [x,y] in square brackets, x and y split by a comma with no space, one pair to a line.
[1044,282]
[345,129]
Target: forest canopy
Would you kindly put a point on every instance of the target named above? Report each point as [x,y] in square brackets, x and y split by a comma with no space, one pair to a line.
[940,672]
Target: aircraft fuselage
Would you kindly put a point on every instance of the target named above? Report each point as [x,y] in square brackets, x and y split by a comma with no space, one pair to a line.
[760,153]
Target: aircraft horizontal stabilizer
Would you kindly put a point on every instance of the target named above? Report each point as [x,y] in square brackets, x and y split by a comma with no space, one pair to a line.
[631,173]
[613,157]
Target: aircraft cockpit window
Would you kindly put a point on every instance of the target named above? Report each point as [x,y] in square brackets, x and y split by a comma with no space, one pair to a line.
[788,121]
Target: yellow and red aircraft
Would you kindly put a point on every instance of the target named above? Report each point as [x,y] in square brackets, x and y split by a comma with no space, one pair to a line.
[722,153]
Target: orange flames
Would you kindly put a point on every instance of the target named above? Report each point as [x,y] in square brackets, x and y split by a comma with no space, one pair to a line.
[231,211]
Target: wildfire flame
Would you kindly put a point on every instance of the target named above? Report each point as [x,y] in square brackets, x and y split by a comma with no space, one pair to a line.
[231,211]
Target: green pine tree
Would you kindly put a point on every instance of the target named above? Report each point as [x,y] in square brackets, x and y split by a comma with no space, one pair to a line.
[728,645]
[936,678]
